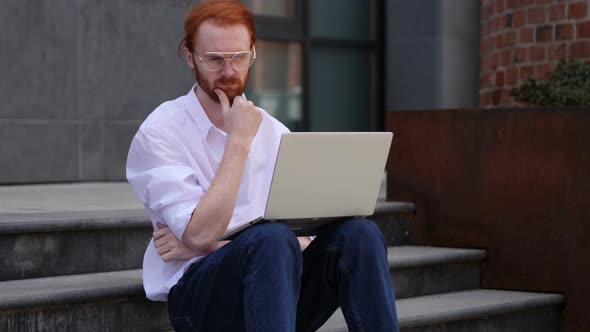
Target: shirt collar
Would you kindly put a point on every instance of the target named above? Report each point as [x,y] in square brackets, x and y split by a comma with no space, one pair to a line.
[198,113]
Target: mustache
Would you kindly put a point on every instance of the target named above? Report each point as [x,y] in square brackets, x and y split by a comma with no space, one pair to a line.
[227,80]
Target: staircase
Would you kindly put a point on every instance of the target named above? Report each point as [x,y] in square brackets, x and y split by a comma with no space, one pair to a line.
[71,255]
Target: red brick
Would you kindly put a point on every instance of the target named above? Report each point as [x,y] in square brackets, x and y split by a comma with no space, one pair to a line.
[485,81]
[512,75]
[544,69]
[580,49]
[524,3]
[510,4]
[557,13]
[564,32]
[485,99]
[498,23]
[500,78]
[505,57]
[577,10]
[499,6]
[499,41]
[483,13]
[490,9]
[543,2]
[520,54]
[510,38]
[495,60]
[556,51]
[583,30]
[526,35]
[536,53]
[491,44]
[505,98]
[485,45]
[487,62]
[527,71]
[519,18]
[544,33]
[496,96]
[536,15]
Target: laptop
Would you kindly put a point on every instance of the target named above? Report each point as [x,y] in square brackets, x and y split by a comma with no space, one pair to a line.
[320,178]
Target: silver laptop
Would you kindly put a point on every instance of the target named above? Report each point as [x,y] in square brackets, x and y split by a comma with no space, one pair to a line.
[320,178]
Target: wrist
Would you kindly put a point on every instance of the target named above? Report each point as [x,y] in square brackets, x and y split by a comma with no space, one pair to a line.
[239,144]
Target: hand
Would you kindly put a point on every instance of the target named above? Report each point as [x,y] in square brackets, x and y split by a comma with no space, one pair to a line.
[241,120]
[169,247]
[304,241]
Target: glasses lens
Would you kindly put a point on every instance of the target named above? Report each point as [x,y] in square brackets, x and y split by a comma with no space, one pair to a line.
[242,60]
[212,61]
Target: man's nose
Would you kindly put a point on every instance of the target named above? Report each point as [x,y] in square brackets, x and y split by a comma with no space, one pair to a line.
[227,69]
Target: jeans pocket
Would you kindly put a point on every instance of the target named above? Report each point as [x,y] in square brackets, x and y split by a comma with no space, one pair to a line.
[182,324]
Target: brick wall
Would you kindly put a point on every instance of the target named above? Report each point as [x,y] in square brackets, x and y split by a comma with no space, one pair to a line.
[522,38]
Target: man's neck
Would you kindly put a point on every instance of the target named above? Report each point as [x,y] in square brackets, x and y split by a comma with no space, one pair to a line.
[212,109]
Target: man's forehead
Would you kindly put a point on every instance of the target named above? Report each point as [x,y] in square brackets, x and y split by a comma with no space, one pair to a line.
[217,37]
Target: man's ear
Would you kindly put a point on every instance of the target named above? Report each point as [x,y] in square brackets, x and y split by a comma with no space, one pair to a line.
[189,57]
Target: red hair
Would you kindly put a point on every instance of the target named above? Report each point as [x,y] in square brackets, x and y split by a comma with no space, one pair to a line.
[222,12]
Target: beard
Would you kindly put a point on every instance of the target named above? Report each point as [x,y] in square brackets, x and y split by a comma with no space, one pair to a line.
[237,88]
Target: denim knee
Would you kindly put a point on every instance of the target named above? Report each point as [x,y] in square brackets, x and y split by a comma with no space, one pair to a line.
[362,230]
[273,235]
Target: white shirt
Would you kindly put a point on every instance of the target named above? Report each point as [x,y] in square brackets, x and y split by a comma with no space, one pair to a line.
[171,164]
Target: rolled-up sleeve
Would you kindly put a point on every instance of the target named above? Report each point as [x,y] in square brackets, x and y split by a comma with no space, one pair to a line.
[159,172]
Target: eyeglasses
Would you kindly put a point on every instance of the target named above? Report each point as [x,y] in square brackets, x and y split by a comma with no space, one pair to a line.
[240,61]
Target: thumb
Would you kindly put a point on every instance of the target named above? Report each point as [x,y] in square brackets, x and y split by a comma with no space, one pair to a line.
[160,226]
[223,100]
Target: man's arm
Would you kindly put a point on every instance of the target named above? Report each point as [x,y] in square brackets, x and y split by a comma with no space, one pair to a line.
[215,209]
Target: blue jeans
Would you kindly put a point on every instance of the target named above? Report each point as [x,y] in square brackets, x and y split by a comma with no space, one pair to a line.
[261,281]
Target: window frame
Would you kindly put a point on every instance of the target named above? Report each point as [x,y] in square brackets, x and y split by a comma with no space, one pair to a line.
[296,29]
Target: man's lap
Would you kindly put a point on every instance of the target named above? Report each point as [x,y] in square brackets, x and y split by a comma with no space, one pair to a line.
[215,281]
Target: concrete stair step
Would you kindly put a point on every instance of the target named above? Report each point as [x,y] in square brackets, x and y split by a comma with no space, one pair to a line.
[473,310]
[422,270]
[115,301]
[34,245]
[108,301]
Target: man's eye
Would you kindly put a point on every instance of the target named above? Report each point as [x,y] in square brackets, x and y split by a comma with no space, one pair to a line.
[239,56]
[214,58]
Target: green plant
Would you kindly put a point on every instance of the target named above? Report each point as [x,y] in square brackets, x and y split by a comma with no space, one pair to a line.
[567,85]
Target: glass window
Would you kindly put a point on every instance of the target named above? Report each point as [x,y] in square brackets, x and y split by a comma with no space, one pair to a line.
[343,19]
[275,81]
[279,8]
[341,85]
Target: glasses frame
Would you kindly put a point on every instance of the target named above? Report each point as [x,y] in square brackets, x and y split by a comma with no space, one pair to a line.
[223,54]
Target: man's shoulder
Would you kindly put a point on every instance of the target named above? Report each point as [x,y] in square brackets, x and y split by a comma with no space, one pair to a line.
[165,115]
[274,123]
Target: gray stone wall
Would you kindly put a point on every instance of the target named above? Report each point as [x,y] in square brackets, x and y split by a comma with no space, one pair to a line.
[77,79]
[432,54]
[79,76]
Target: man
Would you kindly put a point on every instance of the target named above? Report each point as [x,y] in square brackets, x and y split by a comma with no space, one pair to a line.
[202,164]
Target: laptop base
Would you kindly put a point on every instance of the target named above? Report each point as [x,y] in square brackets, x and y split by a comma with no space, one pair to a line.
[301,227]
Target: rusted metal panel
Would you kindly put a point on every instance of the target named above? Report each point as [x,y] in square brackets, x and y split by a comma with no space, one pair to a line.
[514,181]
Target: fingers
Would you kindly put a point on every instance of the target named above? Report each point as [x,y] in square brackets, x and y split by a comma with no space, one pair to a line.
[223,100]
[162,241]
[161,233]
[241,102]
[164,249]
